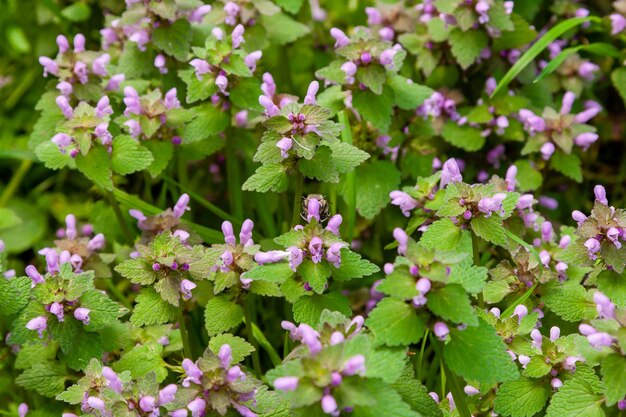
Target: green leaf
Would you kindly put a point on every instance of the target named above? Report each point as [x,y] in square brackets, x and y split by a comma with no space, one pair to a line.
[387,402]
[320,167]
[467,46]
[104,311]
[308,309]
[471,277]
[151,309]
[197,89]
[292,6]
[282,29]
[77,344]
[162,152]
[535,49]
[452,303]
[614,378]
[245,94]
[96,166]
[47,378]
[537,367]
[372,76]
[316,274]
[415,394]
[395,323]
[477,353]
[522,34]
[568,165]
[267,177]
[377,180]
[399,284]
[221,315]
[276,272]
[579,397]
[569,300]
[141,360]
[528,177]
[76,12]
[173,39]
[491,229]
[129,156]
[209,121]
[375,108]
[613,285]
[51,156]
[442,235]
[408,95]
[14,294]
[346,157]
[523,398]
[464,137]
[240,348]
[352,266]
[618,77]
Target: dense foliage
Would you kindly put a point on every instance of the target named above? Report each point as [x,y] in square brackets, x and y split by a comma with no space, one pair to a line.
[283,208]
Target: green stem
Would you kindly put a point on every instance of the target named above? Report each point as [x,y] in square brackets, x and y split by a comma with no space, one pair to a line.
[455,386]
[297,199]
[420,358]
[117,293]
[476,256]
[15,181]
[183,330]
[256,360]
[120,218]
[350,195]
[233,177]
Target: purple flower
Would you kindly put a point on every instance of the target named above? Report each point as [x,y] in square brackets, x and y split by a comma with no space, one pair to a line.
[134,128]
[34,275]
[113,380]
[604,306]
[532,122]
[57,310]
[520,311]
[252,58]
[511,178]
[171,100]
[49,66]
[160,63]
[39,323]
[197,407]
[167,394]
[222,82]
[65,88]
[52,262]
[618,23]
[329,404]
[96,403]
[586,70]
[270,257]
[103,107]
[234,374]
[488,205]
[470,390]
[555,333]
[65,107]
[232,10]
[141,38]
[115,81]
[584,140]
[99,65]
[423,285]
[147,403]
[198,14]
[523,360]
[79,43]
[181,412]
[245,235]
[341,39]
[556,383]
[295,257]
[354,365]
[600,194]
[334,223]
[271,109]
[185,288]
[311,92]
[237,36]
[547,149]
[537,339]
[63,44]
[441,330]
[374,17]
[386,33]
[349,68]
[402,238]
[181,206]
[22,410]
[316,249]
[82,314]
[578,216]
[386,57]
[201,66]
[225,356]
[450,173]
[131,100]
[192,371]
[286,383]
[600,339]
[229,234]
[284,145]
[241,118]
[333,254]
[81,71]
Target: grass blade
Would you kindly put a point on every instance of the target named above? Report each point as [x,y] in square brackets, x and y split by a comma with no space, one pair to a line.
[346,136]
[532,52]
[598,48]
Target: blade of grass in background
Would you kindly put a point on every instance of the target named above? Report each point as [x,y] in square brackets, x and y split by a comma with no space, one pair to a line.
[538,47]
[346,136]
[598,48]
[129,201]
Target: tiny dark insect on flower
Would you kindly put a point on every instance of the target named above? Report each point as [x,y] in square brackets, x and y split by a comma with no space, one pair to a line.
[323,209]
